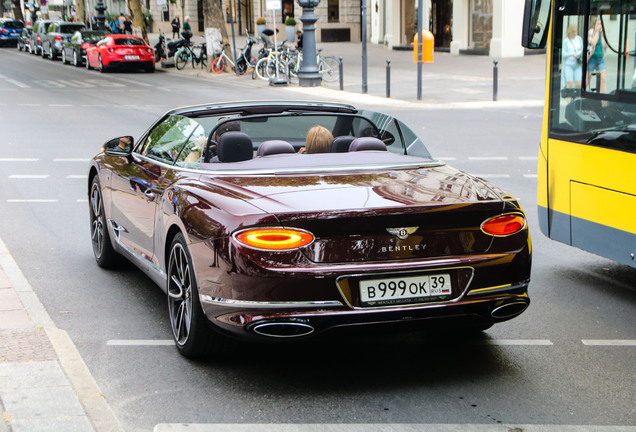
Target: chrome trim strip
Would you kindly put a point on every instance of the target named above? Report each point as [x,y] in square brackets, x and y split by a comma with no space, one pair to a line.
[267,305]
[499,288]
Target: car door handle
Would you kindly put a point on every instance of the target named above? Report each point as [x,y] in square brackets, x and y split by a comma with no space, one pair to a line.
[150,196]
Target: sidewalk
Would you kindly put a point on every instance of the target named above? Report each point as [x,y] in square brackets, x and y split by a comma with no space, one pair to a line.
[450,79]
[44,383]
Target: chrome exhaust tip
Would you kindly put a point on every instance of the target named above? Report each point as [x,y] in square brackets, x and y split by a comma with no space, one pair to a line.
[283,329]
[509,310]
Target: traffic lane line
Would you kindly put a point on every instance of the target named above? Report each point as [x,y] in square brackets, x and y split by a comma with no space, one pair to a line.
[609,342]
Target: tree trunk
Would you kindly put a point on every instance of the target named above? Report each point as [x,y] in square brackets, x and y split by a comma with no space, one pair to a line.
[80,15]
[214,17]
[138,18]
[17,10]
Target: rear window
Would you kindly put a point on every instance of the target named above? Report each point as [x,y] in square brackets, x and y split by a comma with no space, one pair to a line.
[13,24]
[71,28]
[129,41]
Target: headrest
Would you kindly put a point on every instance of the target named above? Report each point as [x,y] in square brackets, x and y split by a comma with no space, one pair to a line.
[341,144]
[272,147]
[234,147]
[366,143]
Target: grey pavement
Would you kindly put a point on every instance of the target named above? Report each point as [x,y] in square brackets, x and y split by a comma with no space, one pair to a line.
[44,383]
[450,81]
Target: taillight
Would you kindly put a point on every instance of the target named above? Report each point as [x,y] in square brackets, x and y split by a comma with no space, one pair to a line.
[39,40]
[4,31]
[58,38]
[504,225]
[274,239]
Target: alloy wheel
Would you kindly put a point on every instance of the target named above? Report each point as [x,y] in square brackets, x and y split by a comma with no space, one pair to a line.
[97,221]
[180,293]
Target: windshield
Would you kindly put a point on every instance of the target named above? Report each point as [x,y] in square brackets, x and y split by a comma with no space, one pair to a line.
[71,28]
[13,24]
[129,41]
[593,72]
[189,142]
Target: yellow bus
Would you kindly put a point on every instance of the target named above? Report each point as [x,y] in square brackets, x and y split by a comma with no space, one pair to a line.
[587,156]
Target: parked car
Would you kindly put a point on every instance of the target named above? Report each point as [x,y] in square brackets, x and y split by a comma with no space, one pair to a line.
[39,30]
[120,51]
[58,34]
[250,239]
[24,40]
[10,31]
[74,51]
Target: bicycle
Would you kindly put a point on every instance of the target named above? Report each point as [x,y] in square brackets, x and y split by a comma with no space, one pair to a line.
[266,66]
[328,66]
[186,55]
[244,60]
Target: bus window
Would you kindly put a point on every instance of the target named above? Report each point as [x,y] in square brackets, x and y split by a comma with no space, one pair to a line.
[593,87]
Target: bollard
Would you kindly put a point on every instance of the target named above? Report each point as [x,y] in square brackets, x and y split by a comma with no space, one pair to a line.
[495,78]
[340,68]
[388,78]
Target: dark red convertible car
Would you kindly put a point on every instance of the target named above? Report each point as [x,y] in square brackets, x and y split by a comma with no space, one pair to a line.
[250,239]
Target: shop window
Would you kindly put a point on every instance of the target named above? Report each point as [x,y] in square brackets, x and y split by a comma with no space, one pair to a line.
[481,23]
[333,11]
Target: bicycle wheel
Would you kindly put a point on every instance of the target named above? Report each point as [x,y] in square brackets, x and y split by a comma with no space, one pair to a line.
[292,72]
[329,68]
[181,59]
[271,69]
[261,69]
[218,65]
[204,60]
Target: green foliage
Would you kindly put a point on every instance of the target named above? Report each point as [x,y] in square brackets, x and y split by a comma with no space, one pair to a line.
[147,15]
[261,21]
[290,21]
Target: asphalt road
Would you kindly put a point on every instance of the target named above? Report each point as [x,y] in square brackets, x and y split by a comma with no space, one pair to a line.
[550,366]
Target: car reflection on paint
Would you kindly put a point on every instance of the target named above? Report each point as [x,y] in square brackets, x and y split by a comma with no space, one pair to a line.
[251,240]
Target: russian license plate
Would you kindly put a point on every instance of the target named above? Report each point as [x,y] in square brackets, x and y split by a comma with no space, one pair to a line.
[407,289]
[131,57]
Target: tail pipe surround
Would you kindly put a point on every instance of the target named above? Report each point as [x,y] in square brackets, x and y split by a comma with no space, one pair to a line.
[282,329]
[509,310]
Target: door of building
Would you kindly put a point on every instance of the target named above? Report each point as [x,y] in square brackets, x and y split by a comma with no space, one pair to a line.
[441,16]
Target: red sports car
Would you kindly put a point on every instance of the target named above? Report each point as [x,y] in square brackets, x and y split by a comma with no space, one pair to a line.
[250,238]
[119,51]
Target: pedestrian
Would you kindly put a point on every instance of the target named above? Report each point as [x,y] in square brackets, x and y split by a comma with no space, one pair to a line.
[596,54]
[176,25]
[122,20]
[187,29]
[572,57]
[299,40]
[128,25]
[114,25]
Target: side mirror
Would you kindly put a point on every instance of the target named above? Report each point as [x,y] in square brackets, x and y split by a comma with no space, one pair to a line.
[121,146]
[536,20]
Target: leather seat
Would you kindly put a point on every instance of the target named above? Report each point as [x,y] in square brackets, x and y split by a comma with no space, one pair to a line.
[234,147]
[341,144]
[273,147]
[366,143]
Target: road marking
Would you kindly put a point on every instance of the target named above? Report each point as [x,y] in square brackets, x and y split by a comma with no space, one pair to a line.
[487,158]
[28,176]
[140,342]
[79,84]
[447,158]
[31,200]
[70,160]
[609,342]
[17,83]
[135,82]
[19,160]
[77,176]
[519,342]
[492,175]
[530,175]
[82,200]
[60,105]
[29,105]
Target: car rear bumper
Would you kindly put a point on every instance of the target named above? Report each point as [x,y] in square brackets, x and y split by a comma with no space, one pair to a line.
[129,64]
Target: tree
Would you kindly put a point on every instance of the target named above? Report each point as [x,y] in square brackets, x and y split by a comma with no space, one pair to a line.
[17,10]
[138,18]
[80,14]
[214,17]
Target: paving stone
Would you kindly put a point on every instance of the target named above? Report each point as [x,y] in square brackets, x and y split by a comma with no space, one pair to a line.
[41,403]
[9,300]
[15,319]
[25,346]
[31,375]
[58,424]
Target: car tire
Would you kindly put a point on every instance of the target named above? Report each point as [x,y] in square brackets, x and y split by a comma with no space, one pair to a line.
[87,64]
[193,336]
[76,60]
[52,55]
[105,254]
[150,69]
[100,65]
[64,60]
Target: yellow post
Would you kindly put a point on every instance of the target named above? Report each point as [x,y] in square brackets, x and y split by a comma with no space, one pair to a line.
[428,46]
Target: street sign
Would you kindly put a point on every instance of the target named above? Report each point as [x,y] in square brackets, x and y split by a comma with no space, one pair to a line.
[273,5]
